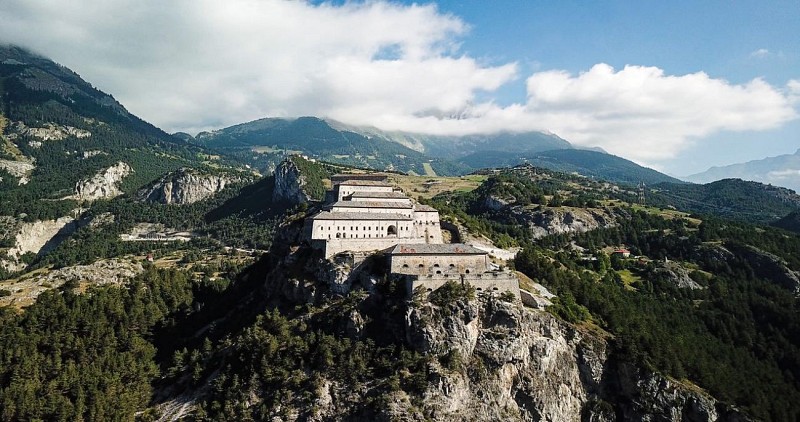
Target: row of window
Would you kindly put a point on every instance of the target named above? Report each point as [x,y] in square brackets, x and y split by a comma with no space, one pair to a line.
[368,228]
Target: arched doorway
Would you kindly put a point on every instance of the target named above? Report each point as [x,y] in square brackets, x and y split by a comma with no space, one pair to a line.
[391,231]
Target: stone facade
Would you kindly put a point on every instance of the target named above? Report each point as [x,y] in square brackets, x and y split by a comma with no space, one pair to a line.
[493,282]
[440,259]
[366,214]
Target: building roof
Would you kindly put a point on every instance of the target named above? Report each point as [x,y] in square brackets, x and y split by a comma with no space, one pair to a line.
[365,183]
[390,216]
[435,249]
[425,208]
[342,177]
[371,204]
[389,195]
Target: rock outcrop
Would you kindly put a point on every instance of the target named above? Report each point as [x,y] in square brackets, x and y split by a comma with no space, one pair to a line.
[51,131]
[18,169]
[104,184]
[678,275]
[546,221]
[186,186]
[768,266]
[289,184]
[522,364]
[33,237]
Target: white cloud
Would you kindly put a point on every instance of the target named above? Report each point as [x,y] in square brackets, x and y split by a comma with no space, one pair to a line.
[198,64]
[760,53]
[783,174]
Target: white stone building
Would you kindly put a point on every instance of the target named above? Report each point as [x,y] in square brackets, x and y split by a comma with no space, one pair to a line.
[366,214]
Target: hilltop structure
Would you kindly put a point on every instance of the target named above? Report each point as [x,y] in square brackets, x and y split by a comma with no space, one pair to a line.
[365,214]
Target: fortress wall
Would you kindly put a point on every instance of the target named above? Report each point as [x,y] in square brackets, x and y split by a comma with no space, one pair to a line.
[344,191]
[362,229]
[429,264]
[489,282]
[334,246]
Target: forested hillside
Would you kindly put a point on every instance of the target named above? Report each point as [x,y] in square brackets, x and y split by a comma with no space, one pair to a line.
[709,301]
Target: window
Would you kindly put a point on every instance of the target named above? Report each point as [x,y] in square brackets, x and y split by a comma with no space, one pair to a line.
[405,265]
[422,265]
[435,265]
[467,271]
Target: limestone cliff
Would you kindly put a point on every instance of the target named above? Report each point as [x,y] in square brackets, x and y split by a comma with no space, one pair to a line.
[506,361]
[186,186]
[546,221]
[104,184]
[289,184]
[33,237]
[525,364]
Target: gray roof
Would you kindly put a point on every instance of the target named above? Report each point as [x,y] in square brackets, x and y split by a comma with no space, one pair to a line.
[390,216]
[393,195]
[425,208]
[370,204]
[364,183]
[435,249]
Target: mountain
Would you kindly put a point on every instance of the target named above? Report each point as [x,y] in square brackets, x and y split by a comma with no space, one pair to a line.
[67,150]
[451,147]
[592,164]
[783,170]
[791,222]
[729,198]
[264,142]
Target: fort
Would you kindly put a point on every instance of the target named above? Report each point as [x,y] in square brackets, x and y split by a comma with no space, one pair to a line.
[365,214]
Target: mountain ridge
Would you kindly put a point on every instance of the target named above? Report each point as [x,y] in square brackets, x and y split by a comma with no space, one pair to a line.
[782,170]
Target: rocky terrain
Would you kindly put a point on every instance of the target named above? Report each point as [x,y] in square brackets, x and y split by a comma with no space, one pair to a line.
[186,186]
[289,184]
[32,237]
[559,220]
[104,184]
[25,289]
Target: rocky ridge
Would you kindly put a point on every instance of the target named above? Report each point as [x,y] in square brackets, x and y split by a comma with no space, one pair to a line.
[104,184]
[507,361]
[289,184]
[32,238]
[186,186]
[547,221]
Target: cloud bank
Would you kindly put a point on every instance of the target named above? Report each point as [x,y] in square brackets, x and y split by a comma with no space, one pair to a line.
[198,64]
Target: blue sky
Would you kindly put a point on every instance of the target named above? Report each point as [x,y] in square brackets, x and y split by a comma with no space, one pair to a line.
[736,41]
[676,85]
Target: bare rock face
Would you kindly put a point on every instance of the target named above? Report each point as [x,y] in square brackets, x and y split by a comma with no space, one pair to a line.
[522,364]
[289,183]
[19,169]
[33,237]
[678,275]
[104,184]
[547,221]
[186,186]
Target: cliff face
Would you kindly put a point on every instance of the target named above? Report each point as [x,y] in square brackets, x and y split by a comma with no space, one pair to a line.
[33,237]
[506,361]
[289,184]
[524,364]
[185,186]
[104,184]
[547,221]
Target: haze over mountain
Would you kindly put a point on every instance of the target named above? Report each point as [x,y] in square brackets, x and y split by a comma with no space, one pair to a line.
[783,170]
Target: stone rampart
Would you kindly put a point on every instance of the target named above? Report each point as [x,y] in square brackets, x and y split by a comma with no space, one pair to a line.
[495,282]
